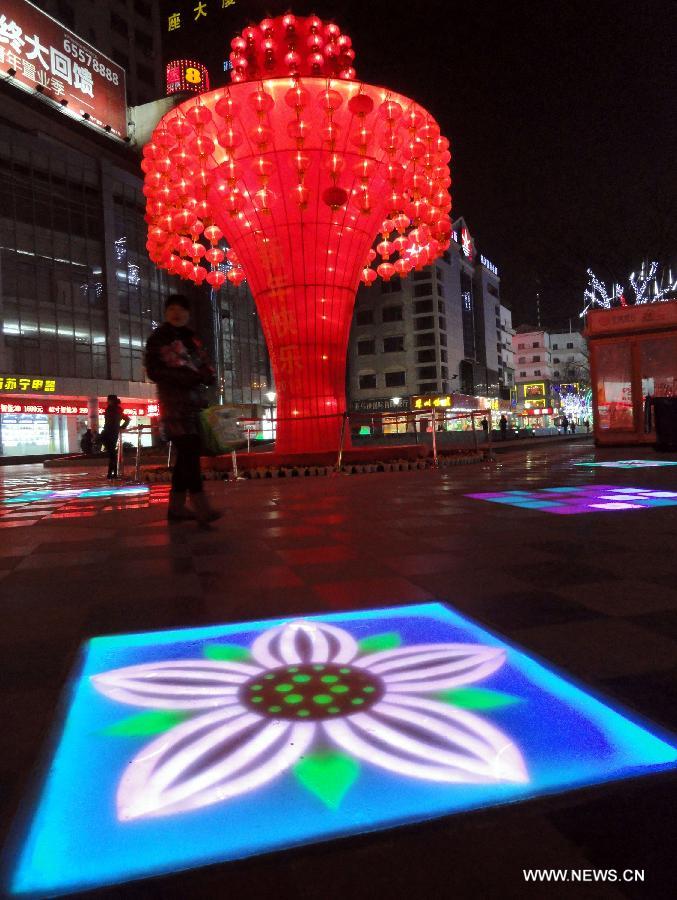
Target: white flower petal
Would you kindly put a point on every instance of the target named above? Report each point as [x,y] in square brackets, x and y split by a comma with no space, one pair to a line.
[176,684]
[429,667]
[303,642]
[209,759]
[429,740]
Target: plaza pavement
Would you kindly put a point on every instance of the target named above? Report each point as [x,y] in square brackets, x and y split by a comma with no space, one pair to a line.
[594,594]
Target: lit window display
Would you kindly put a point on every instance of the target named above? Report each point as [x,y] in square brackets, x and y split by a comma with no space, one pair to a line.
[582,499]
[196,746]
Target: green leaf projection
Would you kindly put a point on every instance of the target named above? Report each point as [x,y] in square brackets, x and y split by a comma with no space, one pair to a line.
[231,652]
[328,774]
[478,698]
[388,640]
[146,723]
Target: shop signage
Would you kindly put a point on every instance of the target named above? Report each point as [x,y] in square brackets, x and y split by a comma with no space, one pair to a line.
[380,405]
[488,264]
[77,408]
[24,383]
[534,389]
[541,411]
[644,317]
[187,75]
[446,401]
[46,57]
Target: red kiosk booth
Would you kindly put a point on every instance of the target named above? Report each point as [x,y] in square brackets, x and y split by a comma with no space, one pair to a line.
[633,355]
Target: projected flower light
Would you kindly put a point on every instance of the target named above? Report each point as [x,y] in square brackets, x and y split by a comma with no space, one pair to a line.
[227,790]
[306,685]
[566,501]
[299,167]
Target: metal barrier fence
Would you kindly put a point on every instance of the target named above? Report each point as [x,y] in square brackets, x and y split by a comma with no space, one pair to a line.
[429,421]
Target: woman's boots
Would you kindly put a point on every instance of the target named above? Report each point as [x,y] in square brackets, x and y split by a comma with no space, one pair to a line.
[204,513]
[177,510]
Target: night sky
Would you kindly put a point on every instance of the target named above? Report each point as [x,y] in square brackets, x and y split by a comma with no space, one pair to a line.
[561,115]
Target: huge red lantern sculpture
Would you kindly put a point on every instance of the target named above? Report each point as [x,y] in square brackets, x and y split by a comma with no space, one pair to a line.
[299,167]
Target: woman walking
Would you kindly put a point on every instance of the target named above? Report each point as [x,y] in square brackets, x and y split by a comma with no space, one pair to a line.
[177,363]
[114,420]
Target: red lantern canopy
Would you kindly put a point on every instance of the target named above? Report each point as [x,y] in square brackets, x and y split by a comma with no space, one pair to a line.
[299,175]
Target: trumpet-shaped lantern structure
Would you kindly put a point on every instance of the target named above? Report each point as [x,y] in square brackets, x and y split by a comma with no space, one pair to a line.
[299,167]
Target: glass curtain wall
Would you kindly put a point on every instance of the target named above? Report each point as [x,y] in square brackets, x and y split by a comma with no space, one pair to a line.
[51,260]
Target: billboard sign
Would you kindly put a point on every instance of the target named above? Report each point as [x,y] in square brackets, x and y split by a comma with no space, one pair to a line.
[42,55]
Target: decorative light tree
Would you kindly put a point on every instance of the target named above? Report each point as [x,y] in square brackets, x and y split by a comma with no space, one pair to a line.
[647,286]
[299,167]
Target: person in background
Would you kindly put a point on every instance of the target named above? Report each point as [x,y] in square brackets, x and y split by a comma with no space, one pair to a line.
[565,424]
[176,361]
[87,442]
[587,426]
[573,426]
[485,426]
[115,420]
[503,425]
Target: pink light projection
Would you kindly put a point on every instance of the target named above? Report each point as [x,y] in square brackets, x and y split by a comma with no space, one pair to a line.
[566,501]
[299,167]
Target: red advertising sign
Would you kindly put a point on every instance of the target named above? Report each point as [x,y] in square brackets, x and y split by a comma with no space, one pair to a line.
[71,408]
[45,56]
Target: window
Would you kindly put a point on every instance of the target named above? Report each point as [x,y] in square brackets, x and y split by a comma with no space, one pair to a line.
[535,358]
[393,344]
[424,322]
[521,346]
[423,275]
[117,23]
[366,348]
[367,382]
[493,290]
[444,371]
[395,379]
[425,340]
[570,346]
[145,74]
[440,306]
[555,347]
[423,306]
[143,42]
[391,314]
[423,290]
[364,317]
[427,387]
[535,344]
[556,374]
[443,355]
[427,372]
[443,323]
[143,9]
[523,374]
[424,356]
[391,287]
[555,359]
[537,371]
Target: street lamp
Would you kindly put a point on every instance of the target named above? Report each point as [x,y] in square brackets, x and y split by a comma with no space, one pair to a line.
[270,396]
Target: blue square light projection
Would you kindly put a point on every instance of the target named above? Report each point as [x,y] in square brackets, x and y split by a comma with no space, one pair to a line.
[126,490]
[565,501]
[629,464]
[261,736]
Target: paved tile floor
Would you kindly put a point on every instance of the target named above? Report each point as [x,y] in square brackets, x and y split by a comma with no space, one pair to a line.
[594,594]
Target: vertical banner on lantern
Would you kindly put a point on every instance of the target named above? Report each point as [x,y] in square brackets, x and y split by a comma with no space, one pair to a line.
[299,168]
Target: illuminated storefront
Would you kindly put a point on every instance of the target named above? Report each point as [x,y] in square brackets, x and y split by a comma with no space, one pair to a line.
[633,354]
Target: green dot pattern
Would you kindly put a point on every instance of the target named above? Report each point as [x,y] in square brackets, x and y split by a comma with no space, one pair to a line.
[311,691]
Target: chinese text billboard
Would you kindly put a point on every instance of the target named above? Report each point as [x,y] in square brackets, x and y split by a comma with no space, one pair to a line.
[48,57]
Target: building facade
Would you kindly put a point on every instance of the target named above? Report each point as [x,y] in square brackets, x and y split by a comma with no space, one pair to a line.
[570,357]
[506,361]
[438,331]
[128,31]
